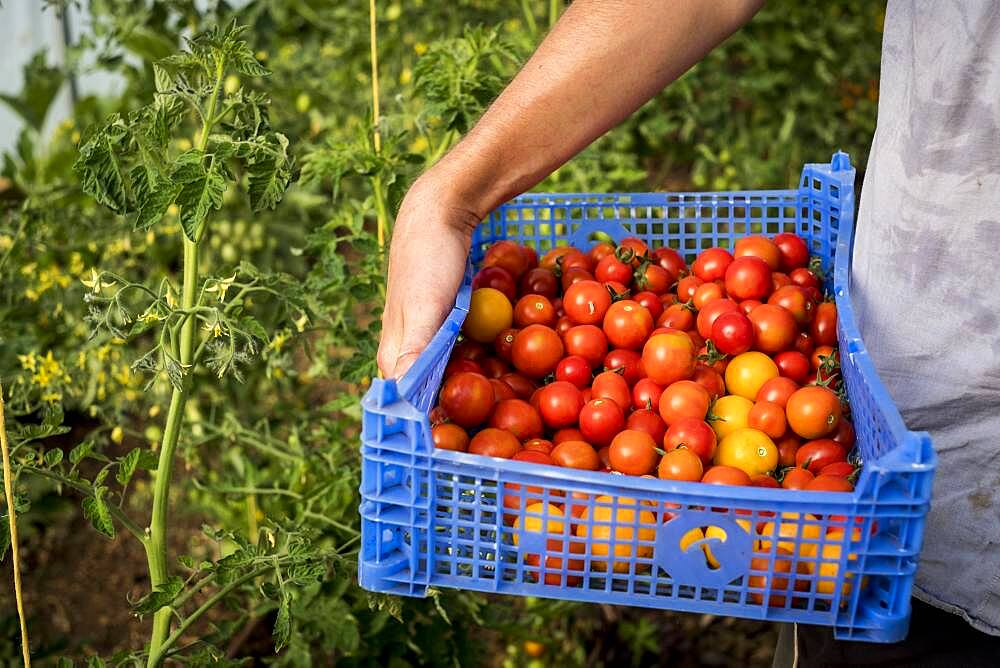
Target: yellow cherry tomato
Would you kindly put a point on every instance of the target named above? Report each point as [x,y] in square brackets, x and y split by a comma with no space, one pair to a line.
[750,450]
[489,314]
[746,374]
[533,521]
[794,528]
[625,519]
[730,413]
[829,564]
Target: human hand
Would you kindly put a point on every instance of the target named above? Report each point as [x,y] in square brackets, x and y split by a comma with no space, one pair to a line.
[427,257]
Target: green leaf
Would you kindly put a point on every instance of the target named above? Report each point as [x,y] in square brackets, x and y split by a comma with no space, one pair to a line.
[254,328]
[4,536]
[95,662]
[41,85]
[80,452]
[147,43]
[155,203]
[127,466]
[95,509]
[245,62]
[160,597]
[269,169]
[200,195]
[283,623]
[99,167]
[53,457]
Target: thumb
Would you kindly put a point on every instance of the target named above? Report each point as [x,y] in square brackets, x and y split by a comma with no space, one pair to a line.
[417,333]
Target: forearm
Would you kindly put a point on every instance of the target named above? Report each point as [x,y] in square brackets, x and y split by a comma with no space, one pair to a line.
[602,60]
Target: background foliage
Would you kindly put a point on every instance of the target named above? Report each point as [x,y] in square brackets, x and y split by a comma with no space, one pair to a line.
[268,462]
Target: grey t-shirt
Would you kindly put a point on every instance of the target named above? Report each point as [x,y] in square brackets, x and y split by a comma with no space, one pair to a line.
[927,283]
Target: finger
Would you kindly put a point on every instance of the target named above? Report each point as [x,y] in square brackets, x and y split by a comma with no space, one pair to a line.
[416,336]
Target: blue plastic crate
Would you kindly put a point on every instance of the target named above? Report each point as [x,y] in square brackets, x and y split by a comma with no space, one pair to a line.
[433,518]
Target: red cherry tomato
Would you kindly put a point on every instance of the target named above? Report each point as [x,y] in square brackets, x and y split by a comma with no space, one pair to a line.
[459,365]
[501,390]
[536,350]
[637,246]
[779,280]
[793,249]
[787,447]
[793,364]
[796,479]
[601,250]
[492,442]
[712,264]
[522,387]
[538,445]
[587,341]
[695,435]
[733,333]
[633,452]
[649,421]
[449,436]
[653,278]
[796,301]
[497,278]
[600,420]
[777,390]
[804,343]
[627,325]
[726,475]
[646,394]
[670,260]
[540,281]
[611,268]
[845,434]
[748,277]
[519,418]
[774,328]
[677,316]
[711,311]
[559,403]
[841,469]
[824,325]
[553,258]
[706,293]
[764,480]
[567,434]
[680,464]
[668,357]
[574,275]
[805,278]
[576,455]
[504,344]
[711,380]
[533,456]
[586,302]
[509,256]
[574,369]
[494,368]
[467,399]
[768,418]
[611,385]
[683,399]
[687,286]
[759,247]
[629,362]
[814,455]
[748,305]
[830,483]
[651,301]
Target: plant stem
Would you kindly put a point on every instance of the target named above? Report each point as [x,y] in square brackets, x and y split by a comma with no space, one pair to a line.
[553,12]
[156,542]
[8,486]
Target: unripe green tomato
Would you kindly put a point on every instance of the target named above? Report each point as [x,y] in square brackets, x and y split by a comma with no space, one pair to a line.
[239,228]
[224,227]
[232,84]
[229,253]
[153,433]
[302,103]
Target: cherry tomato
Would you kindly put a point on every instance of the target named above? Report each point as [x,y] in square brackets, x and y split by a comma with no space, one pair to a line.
[646,394]
[749,449]
[668,357]
[796,479]
[538,445]
[567,434]
[587,341]
[670,260]
[522,387]
[841,469]
[779,280]
[730,413]
[494,443]
[711,380]
[759,247]
[794,252]
[697,340]
[611,268]
[683,399]
[651,302]
[748,305]
[687,286]
[748,277]
[814,455]
[494,368]
[677,316]
[458,365]
[829,483]
[680,464]
[653,278]
[629,362]
[705,293]
[501,390]
[627,325]
[774,328]
[787,447]
[768,418]
[824,355]
[553,258]
[489,314]
[509,256]
[733,333]
[539,281]
[633,452]
[712,310]
[497,278]
[804,343]
[693,434]
[574,369]
[748,372]
[845,434]
[600,420]
[467,399]
[586,302]
[813,412]
[777,390]
[764,480]
[796,301]
[611,385]
[519,418]
[601,250]
[805,278]
[449,436]
[574,275]
[469,350]
[559,403]
[649,421]
[536,351]
[725,475]
[530,254]
[824,325]
[637,246]
[576,455]
[794,365]
[712,264]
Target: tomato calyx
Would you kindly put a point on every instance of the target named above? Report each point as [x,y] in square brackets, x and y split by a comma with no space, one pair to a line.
[711,354]
[624,254]
[816,267]
[617,296]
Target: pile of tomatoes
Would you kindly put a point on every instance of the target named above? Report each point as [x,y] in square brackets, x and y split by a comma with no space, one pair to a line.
[627,360]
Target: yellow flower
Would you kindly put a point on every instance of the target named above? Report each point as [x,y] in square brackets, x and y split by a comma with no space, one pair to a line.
[420,48]
[301,323]
[76,265]
[96,284]
[117,434]
[51,397]
[6,242]
[222,286]
[28,362]
[278,341]
[150,316]
[154,411]
[405,76]
[393,12]
[261,56]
